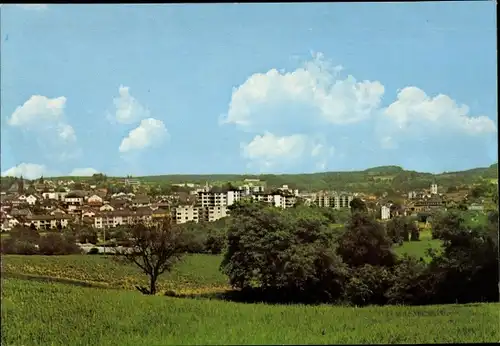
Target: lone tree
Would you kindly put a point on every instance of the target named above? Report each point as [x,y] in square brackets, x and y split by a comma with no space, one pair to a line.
[154,249]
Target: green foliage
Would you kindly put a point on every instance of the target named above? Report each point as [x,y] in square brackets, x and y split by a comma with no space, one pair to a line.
[284,254]
[368,284]
[358,206]
[204,237]
[365,242]
[26,241]
[93,251]
[399,229]
[57,244]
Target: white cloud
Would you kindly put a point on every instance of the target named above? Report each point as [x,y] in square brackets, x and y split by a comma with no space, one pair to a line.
[127,109]
[83,172]
[43,114]
[67,133]
[269,151]
[315,89]
[38,109]
[313,113]
[149,133]
[27,170]
[415,114]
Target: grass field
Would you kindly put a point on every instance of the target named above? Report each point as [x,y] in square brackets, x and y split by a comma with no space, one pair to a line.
[196,274]
[418,248]
[36,313]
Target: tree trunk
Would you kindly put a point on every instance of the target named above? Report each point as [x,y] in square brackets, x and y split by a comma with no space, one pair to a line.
[152,285]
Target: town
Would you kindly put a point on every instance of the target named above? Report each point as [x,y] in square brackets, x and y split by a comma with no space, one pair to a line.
[54,204]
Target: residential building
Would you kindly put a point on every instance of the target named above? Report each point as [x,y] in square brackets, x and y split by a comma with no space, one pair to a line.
[74,198]
[48,221]
[210,214]
[280,200]
[385,212]
[31,200]
[215,199]
[434,189]
[186,213]
[334,200]
[116,218]
[106,207]
[95,200]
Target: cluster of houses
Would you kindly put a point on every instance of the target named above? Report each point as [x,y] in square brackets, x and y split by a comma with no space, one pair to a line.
[55,205]
[52,206]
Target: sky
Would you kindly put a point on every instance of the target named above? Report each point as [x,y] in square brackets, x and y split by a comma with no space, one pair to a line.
[247,88]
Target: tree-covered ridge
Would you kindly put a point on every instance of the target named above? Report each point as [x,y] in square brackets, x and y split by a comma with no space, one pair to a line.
[373,180]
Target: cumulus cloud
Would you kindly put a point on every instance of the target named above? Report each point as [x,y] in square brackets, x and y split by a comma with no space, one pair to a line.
[28,171]
[127,109]
[83,172]
[151,132]
[269,151]
[415,114]
[43,114]
[296,108]
[314,90]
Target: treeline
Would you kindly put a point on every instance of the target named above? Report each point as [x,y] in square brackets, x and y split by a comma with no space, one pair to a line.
[294,256]
[27,241]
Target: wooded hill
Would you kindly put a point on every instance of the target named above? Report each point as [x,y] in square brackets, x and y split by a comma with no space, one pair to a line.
[373,180]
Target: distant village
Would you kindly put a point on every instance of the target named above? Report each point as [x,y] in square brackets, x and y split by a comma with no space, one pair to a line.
[48,204]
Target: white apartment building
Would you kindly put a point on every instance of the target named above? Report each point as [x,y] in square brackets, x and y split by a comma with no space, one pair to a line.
[385,212]
[434,189]
[215,199]
[278,200]
[334,200]
[48,221]
[186,213]
[210,214]
[121,217]
[58,196]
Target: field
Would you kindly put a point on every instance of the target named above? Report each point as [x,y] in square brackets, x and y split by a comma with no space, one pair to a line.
[44,302]
[196,274]
[57,314]
[418,248]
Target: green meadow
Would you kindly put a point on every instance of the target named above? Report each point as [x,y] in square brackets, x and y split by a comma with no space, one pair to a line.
[35,313]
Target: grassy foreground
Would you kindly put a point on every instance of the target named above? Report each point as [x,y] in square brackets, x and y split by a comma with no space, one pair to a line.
[36,313]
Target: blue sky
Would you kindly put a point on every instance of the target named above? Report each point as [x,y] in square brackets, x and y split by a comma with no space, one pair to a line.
[247,88]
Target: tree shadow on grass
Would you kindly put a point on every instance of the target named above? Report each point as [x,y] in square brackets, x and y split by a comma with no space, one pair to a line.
[248,296]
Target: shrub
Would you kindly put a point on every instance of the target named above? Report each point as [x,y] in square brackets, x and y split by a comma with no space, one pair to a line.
[193,237]
[18,246]
[87,235]
[367,285]
[93,251]
[412,283]
[57,244]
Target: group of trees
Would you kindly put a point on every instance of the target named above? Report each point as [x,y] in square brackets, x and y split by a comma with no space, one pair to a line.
[27,241]
[294,256]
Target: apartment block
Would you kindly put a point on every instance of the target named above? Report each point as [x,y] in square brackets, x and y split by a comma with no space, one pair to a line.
[186,213]
[334,200]
[278,200]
